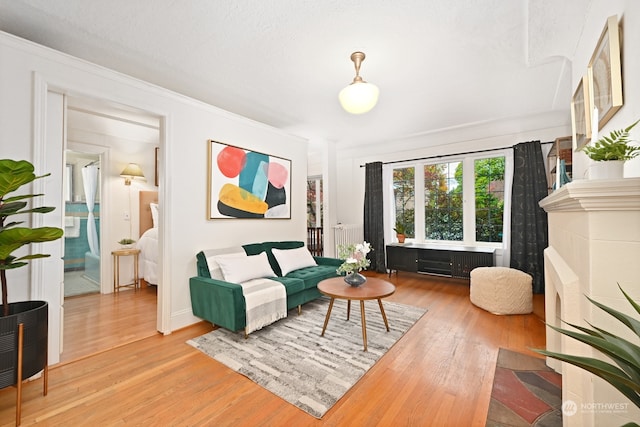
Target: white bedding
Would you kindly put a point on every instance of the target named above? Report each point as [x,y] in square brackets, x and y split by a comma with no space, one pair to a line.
[148,261]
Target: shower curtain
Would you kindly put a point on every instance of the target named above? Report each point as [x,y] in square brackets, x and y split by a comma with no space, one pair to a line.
[90,183]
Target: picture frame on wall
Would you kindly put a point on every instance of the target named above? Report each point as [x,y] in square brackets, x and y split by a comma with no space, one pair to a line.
[581,108]
[605,73]
[157,167]
[246,184]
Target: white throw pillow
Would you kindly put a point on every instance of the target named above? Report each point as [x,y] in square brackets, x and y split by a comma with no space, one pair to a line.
[214,267]
[293,259]
[241,269]
[154,214]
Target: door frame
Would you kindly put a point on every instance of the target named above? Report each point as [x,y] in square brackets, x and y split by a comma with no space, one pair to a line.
[104,154]
[42,86]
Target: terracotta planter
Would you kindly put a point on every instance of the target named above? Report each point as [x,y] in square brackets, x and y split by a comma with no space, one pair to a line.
[401,238]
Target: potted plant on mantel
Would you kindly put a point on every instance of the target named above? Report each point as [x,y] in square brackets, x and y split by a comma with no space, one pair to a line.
[29,316]
[610,153]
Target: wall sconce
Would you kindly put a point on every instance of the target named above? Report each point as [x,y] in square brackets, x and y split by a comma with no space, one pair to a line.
[360,96]
[132,171]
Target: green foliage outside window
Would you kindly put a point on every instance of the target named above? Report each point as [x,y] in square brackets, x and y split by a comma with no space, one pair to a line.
[404,196]
[443,200]
[489,185]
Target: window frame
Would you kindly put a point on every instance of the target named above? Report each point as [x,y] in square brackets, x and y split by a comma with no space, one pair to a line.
[469,204]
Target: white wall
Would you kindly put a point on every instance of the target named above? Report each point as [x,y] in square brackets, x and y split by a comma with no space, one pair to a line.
[187,124]
[498,134]
[628,12]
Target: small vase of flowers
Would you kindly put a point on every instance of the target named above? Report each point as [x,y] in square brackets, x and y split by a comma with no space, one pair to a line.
[355,260]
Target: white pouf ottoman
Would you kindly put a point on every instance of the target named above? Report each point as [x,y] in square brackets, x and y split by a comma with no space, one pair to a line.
[501,290]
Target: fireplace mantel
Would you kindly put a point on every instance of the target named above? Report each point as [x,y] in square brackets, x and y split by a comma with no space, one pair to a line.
[594,195]
[594,244]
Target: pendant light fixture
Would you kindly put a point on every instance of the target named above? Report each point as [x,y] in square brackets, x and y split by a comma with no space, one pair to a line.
[360,96]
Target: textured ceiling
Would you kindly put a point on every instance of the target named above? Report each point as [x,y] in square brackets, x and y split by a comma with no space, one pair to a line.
[439,64]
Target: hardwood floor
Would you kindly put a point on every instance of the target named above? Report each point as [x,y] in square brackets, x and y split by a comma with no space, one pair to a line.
[439,374]
[94,323]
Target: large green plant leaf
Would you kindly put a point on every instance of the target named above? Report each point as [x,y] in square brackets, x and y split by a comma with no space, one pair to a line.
[13,238]
[15,174]
[604,370]
[626,376]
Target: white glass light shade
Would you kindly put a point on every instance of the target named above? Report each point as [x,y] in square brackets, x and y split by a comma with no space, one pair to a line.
[359,97]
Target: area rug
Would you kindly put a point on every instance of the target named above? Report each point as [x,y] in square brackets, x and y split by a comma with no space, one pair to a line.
[290,358]
[525,392]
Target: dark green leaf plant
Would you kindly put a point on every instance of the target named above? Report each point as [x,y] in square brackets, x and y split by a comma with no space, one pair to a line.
[625,374]
[400,227]
[13,175]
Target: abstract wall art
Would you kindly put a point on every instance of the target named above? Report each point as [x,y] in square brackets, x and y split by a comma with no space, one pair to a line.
[247,184]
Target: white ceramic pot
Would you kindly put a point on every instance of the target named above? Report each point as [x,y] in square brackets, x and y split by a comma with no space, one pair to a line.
[612,169]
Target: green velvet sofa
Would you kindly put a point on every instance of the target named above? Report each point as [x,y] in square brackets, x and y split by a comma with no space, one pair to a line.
[222,303]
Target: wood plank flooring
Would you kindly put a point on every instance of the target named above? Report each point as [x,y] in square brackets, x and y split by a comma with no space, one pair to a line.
[439,374]
[96,322]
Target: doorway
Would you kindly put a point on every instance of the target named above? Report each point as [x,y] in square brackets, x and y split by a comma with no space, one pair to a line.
[101,139]
[81,223]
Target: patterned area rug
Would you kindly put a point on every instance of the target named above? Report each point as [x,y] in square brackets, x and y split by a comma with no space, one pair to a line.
[290,358]
[525,392]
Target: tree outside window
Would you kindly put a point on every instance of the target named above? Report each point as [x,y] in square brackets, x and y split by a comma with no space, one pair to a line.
[443,200]
[489,186]
[443,217]
[404,197]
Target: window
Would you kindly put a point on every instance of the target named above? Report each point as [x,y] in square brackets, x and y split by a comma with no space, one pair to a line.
[443,213]
[68,184]
[461,200]
[314,202]
[489,195]
[404,199]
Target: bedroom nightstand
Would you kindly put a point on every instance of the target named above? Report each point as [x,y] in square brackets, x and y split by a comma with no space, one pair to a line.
[116,268]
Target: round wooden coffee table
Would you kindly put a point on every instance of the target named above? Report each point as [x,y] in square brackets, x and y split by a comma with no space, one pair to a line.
[373,288]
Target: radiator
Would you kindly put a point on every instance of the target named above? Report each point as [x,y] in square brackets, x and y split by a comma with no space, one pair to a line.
[463,262]
[347,234]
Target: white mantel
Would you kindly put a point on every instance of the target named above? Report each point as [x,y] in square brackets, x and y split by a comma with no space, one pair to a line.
[594,243]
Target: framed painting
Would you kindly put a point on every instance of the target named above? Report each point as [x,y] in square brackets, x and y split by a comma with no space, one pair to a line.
[581,114]
[605,73]
[247,184]
[157,166]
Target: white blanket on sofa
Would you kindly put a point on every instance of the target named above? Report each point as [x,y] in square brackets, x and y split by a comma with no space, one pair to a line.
[266,302]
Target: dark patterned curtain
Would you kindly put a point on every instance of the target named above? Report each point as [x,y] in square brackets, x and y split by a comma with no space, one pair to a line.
[373,216]
[529,228]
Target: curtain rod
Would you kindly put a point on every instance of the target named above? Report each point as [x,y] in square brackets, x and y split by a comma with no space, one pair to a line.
[454,154]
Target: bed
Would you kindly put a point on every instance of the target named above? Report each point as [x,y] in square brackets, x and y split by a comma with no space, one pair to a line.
[148,241]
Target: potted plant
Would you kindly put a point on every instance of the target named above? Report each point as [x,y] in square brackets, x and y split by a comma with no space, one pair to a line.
[610,152]
[400,230]
[127,243]
[32,314]
[625,354]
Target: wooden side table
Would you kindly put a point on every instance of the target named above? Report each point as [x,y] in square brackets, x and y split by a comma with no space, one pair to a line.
[116,268]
